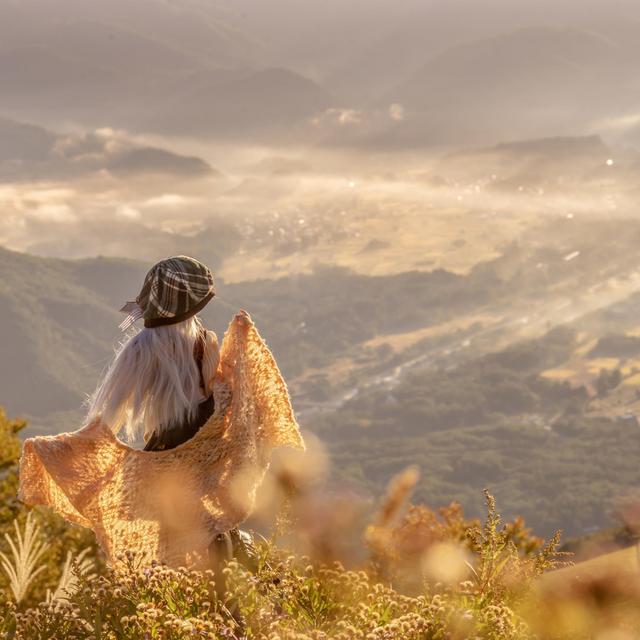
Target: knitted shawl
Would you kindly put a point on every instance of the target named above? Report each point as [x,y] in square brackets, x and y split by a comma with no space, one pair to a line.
[168,505]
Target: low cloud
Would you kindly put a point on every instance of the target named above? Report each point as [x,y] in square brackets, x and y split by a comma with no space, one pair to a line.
[340,117]
[396,112]
[60,213]
[168,200]
[127,212]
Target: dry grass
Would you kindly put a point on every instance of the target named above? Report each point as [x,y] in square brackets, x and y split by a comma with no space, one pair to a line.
[424,575]
[22,566]
[624,561]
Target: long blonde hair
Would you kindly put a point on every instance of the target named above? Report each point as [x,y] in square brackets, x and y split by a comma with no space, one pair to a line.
[153,381]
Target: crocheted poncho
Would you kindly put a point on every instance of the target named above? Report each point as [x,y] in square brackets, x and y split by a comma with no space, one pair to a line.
[168,505]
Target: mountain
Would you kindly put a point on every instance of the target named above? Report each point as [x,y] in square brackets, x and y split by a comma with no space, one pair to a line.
[244,70]
[29,152]
[269,102]
[152,160]
[415,35]
[362,46]
[144,27]
[532,60]
[149,66]
[521,83]
[542,163]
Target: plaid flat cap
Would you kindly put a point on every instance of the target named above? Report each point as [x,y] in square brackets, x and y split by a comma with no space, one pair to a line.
[174,290]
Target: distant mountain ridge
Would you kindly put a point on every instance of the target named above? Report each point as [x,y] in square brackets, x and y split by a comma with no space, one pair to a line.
[30,152]
[525,83]
[139,65]
[538,161]
[238,70]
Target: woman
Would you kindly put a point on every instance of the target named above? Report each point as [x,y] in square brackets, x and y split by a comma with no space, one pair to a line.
[209,418]
[159,386]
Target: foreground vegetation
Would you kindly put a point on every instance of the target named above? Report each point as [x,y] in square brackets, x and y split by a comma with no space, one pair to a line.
[409,573]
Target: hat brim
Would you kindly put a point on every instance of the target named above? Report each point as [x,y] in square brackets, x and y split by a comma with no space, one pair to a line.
[149,323]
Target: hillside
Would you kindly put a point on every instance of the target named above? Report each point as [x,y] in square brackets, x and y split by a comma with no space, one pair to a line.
[58,331]
[492,422]
[63,314]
